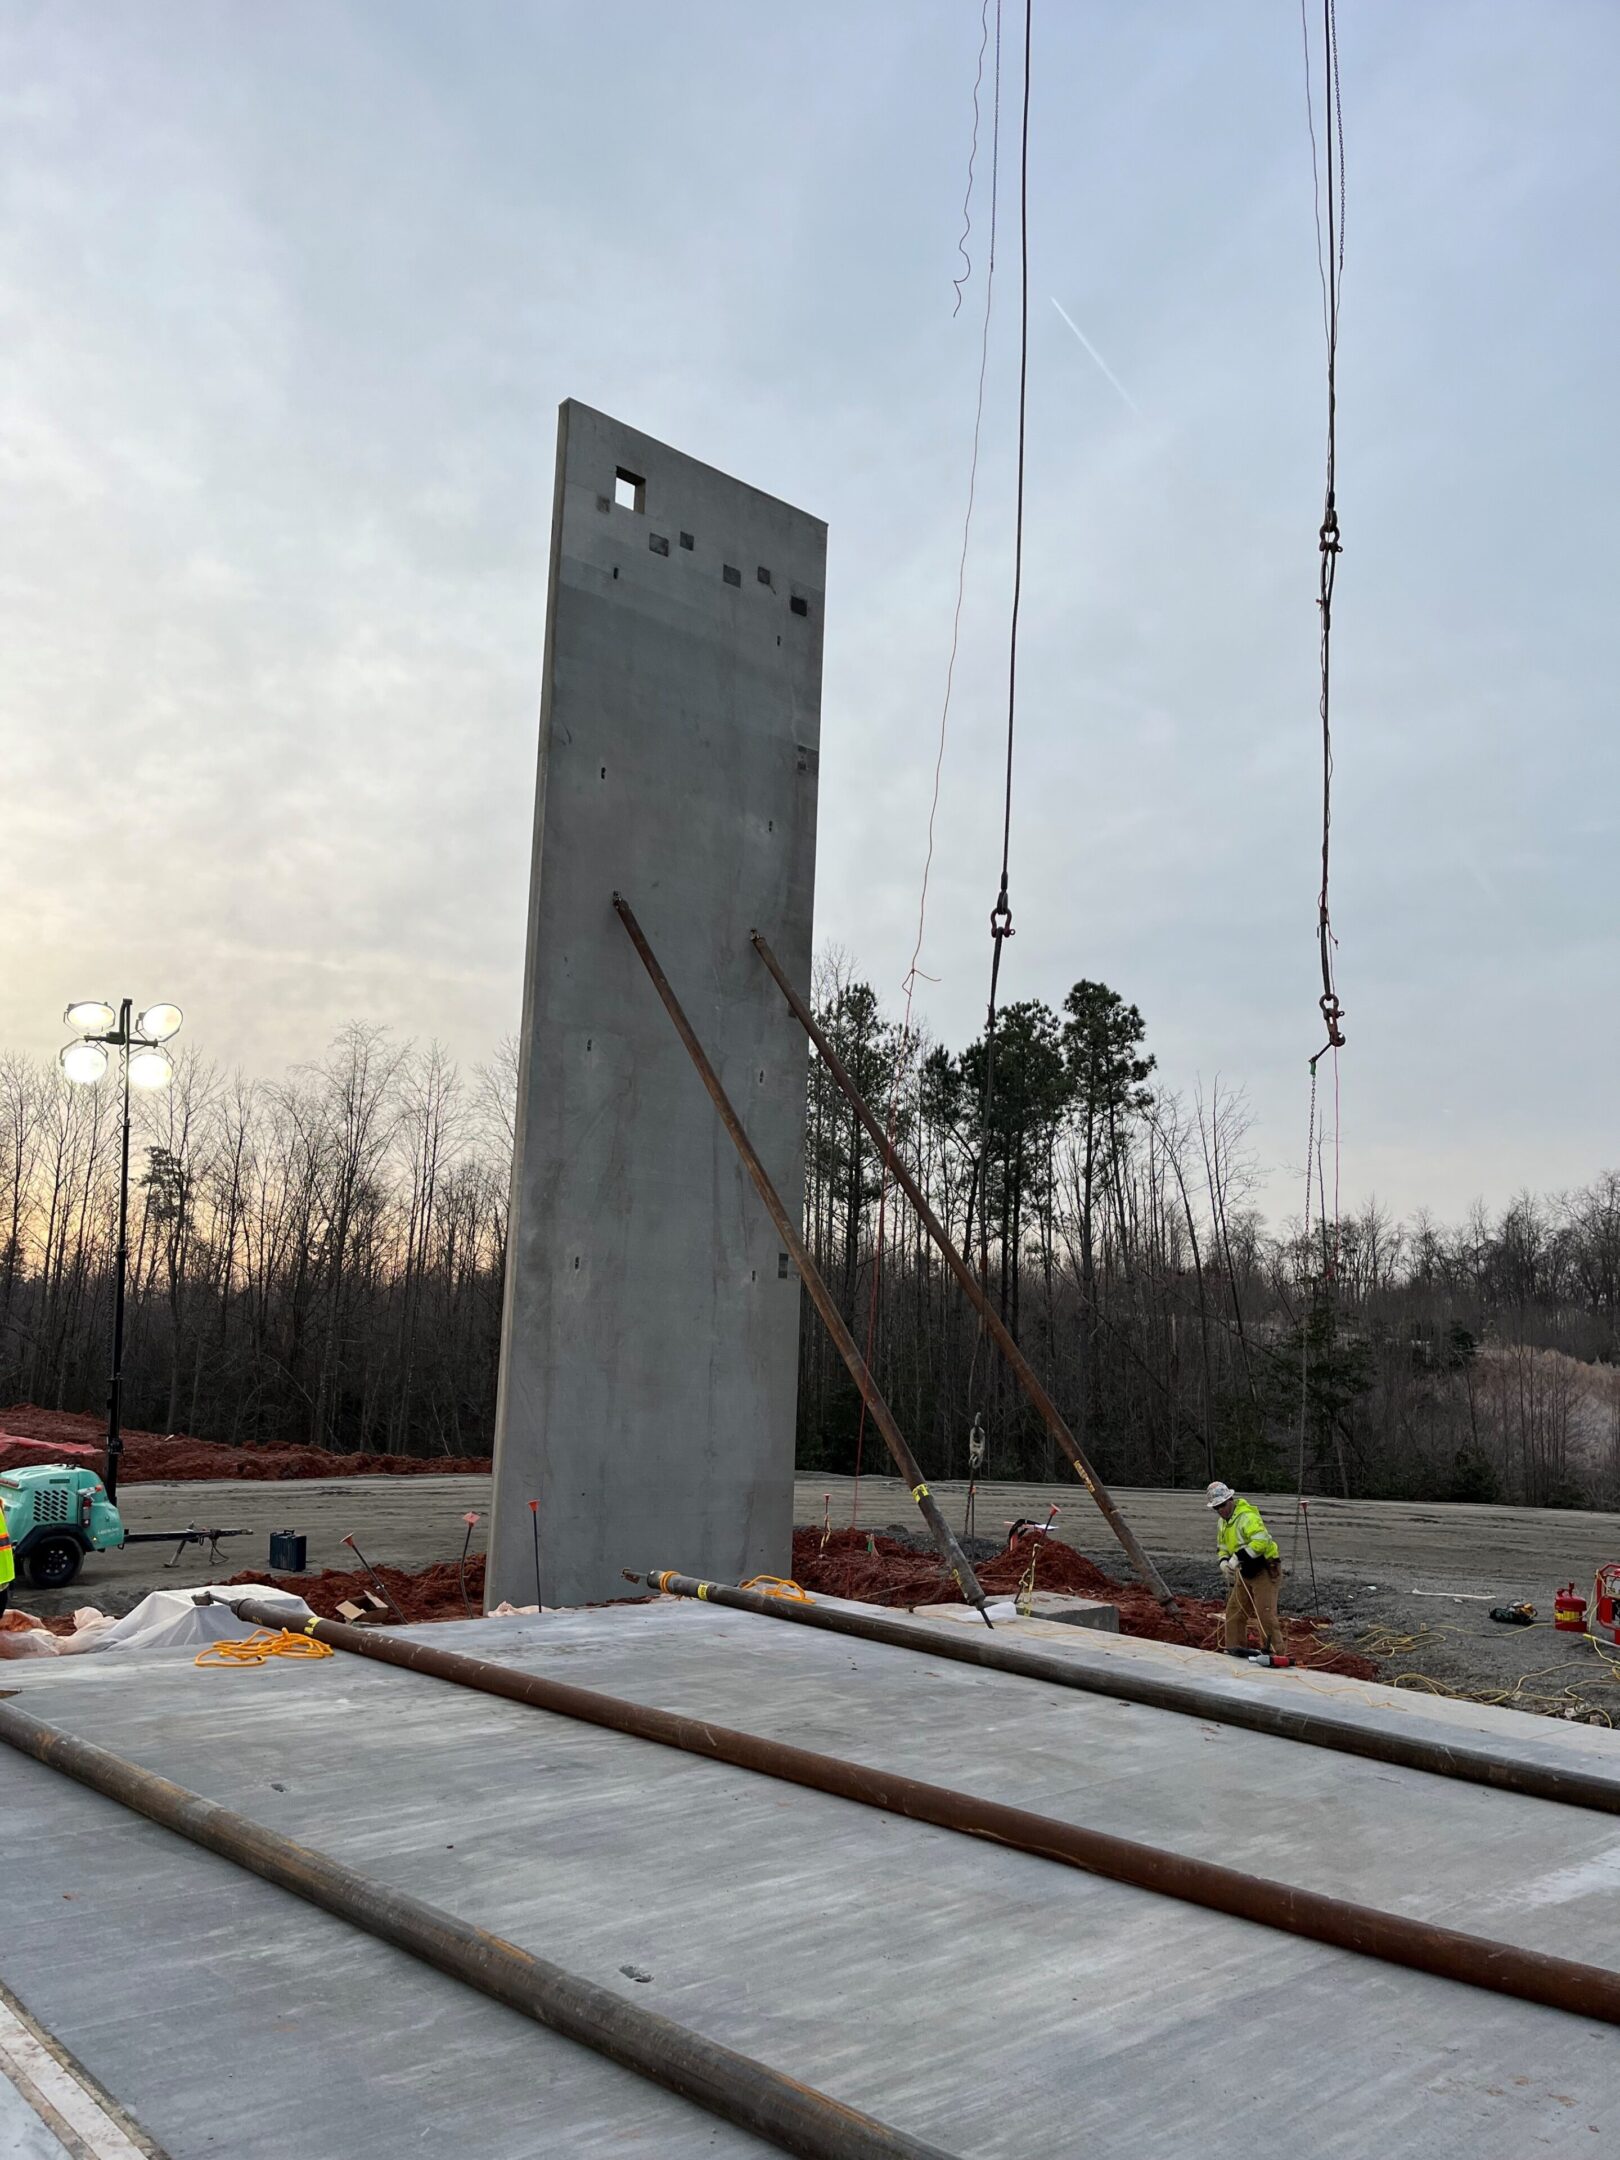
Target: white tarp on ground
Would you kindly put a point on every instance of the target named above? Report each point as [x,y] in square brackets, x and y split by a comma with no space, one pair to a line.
[166,1620]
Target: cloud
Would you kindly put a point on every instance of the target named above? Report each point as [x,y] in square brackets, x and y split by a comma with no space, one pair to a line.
[287,302]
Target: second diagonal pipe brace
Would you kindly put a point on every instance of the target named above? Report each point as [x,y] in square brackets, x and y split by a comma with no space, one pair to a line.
[1022,1370]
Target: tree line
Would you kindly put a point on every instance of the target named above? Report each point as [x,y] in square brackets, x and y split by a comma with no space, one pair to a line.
[321,1259]
[1182,1336]
[314,1261]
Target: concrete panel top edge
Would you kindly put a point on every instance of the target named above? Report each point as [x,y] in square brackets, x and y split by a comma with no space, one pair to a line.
[572,405]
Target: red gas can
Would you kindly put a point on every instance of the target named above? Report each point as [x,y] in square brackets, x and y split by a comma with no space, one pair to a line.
[1569,1611]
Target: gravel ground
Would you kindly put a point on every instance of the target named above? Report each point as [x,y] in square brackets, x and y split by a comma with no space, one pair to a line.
[1415,1631]
[1448,1636]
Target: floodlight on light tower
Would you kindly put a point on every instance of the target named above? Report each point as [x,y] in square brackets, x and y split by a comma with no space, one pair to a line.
[90,1016]
[85,1063]
[158,1023]
[100,1027]
[149,1067]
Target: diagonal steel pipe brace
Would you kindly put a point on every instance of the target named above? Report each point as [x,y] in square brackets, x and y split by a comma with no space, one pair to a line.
[821,1297]
[1023,1372]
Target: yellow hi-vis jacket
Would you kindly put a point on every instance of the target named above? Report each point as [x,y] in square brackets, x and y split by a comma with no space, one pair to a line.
[1246,1533]
[8,1566]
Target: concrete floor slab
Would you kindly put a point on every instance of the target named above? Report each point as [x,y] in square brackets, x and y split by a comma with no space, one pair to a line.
[996,2003]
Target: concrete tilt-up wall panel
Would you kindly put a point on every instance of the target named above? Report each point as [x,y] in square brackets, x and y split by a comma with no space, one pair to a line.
[649,1343]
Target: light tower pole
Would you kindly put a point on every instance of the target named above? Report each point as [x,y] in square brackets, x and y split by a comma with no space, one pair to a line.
[145,1064]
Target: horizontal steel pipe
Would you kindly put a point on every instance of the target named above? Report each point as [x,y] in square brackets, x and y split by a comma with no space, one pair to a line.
[1185,1696]
[794,2117]
[1560,1983]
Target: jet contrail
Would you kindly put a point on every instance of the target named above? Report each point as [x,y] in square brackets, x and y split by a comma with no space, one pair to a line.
[1097,356]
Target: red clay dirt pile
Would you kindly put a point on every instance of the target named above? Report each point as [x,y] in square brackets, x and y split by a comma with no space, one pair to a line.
[432,1594]
[31,1436]
[897,1574]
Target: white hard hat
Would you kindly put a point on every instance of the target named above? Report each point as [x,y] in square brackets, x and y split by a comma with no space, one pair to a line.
[1217,1495]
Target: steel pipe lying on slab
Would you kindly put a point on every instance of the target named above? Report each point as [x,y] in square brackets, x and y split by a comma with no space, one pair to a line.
[1475,1960]
[796,2118]
[1188,1697]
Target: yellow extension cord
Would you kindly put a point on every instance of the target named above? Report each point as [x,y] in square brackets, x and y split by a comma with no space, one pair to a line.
[779,1586]
[1386,1643]
[260,1647]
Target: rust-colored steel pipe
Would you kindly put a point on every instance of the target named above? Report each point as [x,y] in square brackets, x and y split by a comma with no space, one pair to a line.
[821,1297]
[1253,1710]
[1023,1371]
[796,2118]
[1475,1960]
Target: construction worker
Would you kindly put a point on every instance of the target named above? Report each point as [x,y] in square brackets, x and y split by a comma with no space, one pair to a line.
[1252,1565]
[8,1565]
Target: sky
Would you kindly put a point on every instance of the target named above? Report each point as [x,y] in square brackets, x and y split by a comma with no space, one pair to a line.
[289,297]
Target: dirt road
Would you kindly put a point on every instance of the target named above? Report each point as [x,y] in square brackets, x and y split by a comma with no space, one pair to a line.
[1412,1583]
[1505,1552]
[1391,1543]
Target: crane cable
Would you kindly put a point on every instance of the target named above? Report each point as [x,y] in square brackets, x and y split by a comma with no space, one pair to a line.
[903,1042]
[1330,267]
[1001,922]
[1330,272]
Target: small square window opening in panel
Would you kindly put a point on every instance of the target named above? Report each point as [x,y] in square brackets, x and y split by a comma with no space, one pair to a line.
[799,604]
[659,543]
[687,541]
[629,490]
[731,574]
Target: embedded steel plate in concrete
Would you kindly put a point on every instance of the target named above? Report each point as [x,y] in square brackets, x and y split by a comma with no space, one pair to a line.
[998,2004]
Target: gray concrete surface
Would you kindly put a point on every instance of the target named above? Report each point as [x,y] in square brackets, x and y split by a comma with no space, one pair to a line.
[999,2004]
[650,1330]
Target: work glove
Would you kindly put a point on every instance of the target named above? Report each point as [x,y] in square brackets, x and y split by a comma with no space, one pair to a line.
[1229,1564]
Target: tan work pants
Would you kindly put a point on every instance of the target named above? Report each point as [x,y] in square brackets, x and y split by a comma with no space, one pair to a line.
[1252,1602]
